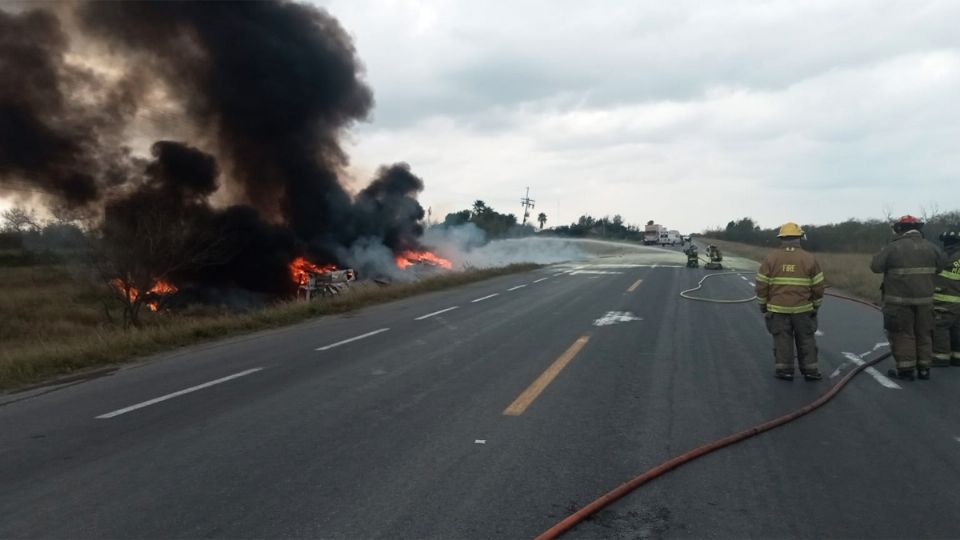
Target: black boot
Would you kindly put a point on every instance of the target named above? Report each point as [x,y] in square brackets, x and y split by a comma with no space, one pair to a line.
[901,374]
[783,374]
[812,376]
[923,373]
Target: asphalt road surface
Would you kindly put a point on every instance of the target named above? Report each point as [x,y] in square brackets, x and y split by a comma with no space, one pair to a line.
[493,411]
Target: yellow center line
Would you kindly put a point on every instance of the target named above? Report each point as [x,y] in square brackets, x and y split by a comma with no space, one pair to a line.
[635,285]
[524,400]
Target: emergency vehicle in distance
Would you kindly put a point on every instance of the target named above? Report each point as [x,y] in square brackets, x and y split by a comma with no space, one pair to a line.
[654,234]
[672,238]
[651,233]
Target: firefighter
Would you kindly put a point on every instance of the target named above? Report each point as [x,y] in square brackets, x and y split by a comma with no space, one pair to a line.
[693,258]
[946,303]
[908,264]
[790,291]
[715,257]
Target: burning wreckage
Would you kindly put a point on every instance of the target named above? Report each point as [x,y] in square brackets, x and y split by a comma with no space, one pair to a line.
[312,281]
[328,280]
[241,195]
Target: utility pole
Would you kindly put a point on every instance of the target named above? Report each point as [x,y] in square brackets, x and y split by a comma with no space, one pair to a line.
[527,203]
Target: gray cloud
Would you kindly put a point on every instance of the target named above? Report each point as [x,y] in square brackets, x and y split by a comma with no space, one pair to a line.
[502,53]
[690,112]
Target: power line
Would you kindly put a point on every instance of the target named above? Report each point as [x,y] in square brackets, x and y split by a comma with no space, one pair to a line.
[528,204]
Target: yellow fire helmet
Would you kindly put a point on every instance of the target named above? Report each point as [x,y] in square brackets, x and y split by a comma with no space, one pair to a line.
[790,229]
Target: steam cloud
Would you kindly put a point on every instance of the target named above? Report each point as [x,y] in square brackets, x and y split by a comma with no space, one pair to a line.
[467,246]
[260,94]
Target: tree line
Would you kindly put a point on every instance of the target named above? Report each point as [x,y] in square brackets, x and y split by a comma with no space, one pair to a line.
[497,225]
[850,236]
[613,228]
[24,236]
[493,223]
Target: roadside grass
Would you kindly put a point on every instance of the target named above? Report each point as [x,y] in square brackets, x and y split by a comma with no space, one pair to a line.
[848,272]
[54,321]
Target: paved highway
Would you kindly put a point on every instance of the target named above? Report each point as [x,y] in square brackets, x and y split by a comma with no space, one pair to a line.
[492,411]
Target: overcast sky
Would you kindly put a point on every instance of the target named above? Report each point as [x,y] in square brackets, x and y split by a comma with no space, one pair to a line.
[690,113]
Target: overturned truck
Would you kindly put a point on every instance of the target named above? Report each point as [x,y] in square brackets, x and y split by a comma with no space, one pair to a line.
[325,283]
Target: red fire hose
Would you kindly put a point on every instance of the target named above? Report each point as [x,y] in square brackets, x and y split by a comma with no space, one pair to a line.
[573,519]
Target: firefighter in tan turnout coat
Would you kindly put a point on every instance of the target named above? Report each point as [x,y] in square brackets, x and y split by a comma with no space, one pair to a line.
[909,264]
[790,291]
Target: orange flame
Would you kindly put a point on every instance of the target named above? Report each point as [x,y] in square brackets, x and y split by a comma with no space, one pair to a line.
[160,288]
[410,257]
[163,287]
[301,268]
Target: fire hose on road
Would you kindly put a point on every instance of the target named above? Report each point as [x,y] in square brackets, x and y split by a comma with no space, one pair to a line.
[573,519]
[685,294]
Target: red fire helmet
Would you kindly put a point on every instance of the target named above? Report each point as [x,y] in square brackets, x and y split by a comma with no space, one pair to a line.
[908,220]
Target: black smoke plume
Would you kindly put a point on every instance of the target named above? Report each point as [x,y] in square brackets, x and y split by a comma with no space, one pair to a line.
[42,145]
[388,208]
[275,83]
[182,172]
[264,92]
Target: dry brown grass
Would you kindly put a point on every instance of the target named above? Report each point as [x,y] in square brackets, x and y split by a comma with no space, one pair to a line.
[53,320]
[847,272]
[850,273]
[41,303]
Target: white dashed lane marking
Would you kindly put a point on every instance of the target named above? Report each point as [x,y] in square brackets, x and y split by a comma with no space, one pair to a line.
[541,279]
[517,287]
[351,340]
[435,313]
[482,298]
[178,393]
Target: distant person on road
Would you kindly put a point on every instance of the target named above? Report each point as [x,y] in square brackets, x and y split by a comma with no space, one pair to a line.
[946,303]
[790,291]
[693,258]
[908,264]
[715,258]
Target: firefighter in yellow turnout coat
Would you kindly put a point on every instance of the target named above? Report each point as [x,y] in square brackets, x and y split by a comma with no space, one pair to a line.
[790,290]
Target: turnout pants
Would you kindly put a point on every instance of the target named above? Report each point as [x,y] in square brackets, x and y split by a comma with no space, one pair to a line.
[789,330]
[946,336]
[910,331]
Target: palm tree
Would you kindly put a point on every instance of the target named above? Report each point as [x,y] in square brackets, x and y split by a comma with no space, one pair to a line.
[542,218]
[480,208]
